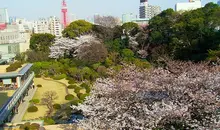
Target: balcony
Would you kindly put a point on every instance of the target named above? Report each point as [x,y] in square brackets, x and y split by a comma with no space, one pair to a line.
[7,108]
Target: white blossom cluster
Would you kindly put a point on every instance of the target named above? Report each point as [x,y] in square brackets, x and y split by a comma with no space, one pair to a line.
[185,94]
[65,45]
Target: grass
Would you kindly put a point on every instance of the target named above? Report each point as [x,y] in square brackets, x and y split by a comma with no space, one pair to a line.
[48,85]
[5,95]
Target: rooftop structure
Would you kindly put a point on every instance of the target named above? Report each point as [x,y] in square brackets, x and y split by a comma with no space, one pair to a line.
[191,5]
[20,81]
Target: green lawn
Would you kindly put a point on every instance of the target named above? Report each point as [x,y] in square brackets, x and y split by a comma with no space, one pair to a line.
[48,85]
[5,95]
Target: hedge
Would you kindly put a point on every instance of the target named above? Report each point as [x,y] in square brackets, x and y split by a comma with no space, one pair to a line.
[57,106]
[35,101]
[84,85]
[76,102]
[14,66]
[72,86]
[39,86]
[59,77]
[82,96]
[69,97]
[32,109]
[49,121]
[71,81]
[77,89]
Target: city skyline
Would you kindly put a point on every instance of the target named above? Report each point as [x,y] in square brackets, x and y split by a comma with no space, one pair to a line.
[83,9]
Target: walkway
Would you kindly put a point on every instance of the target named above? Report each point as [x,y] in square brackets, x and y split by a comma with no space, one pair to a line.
[23,106]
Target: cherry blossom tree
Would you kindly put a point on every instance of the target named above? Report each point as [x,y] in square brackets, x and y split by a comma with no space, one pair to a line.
[182,95]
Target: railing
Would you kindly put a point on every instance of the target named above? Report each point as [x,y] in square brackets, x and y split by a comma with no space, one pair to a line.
[6,109]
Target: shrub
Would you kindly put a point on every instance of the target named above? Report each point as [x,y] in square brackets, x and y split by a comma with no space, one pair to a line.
[39,86]
[69,97]
[76,102]
[59,77]
[84,85]
[35,101]
[82,96]
[14,66]
[71,81]
[32,109]
[77,89]
[49,121]
[72,86]
[57,106]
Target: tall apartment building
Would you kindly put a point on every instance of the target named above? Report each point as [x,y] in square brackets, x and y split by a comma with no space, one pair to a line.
[55,26]
[191,5]
[51,25]
[41,26]
[147,11]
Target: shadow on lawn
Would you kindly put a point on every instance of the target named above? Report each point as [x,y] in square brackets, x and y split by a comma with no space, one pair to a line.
[3,98]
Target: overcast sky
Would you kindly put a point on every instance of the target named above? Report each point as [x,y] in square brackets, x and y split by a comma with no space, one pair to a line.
[33,9]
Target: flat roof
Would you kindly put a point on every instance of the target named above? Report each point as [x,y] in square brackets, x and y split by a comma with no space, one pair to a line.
[18,72]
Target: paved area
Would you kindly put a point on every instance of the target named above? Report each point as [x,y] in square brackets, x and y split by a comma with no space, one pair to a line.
[24,106]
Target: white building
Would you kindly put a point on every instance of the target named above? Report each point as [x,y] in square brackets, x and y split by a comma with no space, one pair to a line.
[191,5]
[55,26]
[51,25]
[41,26]
[147,11]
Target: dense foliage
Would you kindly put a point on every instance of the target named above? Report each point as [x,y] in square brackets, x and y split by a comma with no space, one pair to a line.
[76,29]
[41,42]
[188,35]
[14,66]
[32,109]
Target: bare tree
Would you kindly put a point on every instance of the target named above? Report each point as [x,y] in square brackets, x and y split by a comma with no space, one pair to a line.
[48,100]
[106,21]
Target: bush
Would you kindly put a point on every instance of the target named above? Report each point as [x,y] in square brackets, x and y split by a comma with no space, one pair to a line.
[57,106]
[71,81]
[35,101]
[76,102]
[72,86]
[69,97]
[59,77]
[82,96]
[86,86]
[49,121]
[32,109]
[39,86]
[77,89]
[14,66]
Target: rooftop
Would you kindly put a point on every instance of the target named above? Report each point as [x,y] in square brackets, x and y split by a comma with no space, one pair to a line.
[19,71]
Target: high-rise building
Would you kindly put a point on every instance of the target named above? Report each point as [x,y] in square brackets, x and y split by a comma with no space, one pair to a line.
[4,18]
[191,5]
[218,3]
[41,26]
[147,11]
[55,26]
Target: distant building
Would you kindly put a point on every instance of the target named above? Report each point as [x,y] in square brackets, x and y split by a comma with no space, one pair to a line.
[13,41]
[191,5]
[41,26]
[147,11]
[55,26]
[4,18]
[218,3]
[51,25]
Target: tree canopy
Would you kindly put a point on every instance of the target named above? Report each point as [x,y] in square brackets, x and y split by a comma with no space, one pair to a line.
[41,42]
[189,35]
[77,28]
